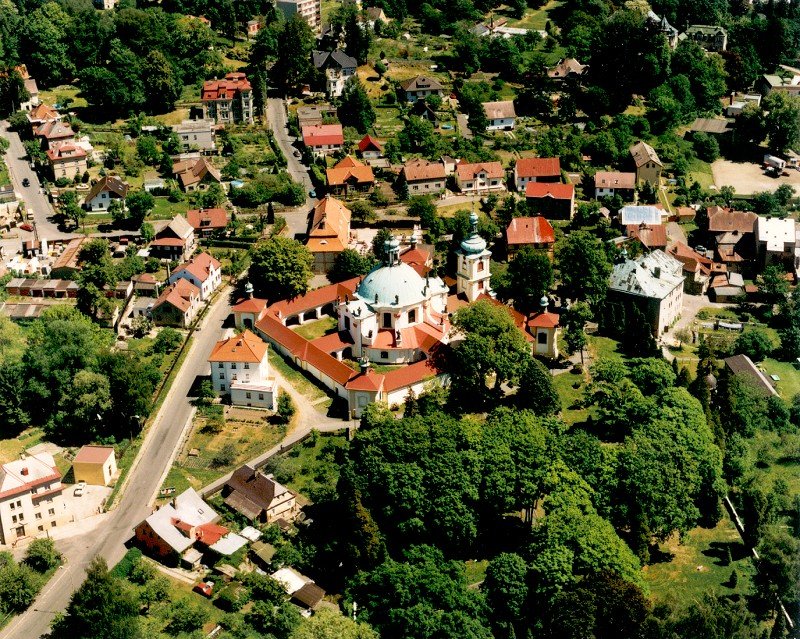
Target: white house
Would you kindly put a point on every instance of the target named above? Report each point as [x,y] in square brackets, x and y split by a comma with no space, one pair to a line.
[654,282]
[30,497]
[203,271]
[776,239]
[481,177]
[240,368]
[501,115]
[104,192]
[337,67]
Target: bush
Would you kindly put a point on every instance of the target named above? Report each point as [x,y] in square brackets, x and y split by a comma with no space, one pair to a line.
[286,408]
[167,340]
[224,457]
[754,343]
[42,555]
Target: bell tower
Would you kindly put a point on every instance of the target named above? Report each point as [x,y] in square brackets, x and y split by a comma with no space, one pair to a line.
[473,276]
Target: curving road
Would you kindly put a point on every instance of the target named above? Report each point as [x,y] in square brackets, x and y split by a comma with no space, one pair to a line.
[143,482]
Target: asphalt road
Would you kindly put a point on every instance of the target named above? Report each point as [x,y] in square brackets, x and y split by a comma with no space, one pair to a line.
[19,167]
[296,219]
[136,503]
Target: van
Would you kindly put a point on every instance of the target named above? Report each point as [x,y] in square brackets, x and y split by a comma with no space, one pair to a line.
[30,214]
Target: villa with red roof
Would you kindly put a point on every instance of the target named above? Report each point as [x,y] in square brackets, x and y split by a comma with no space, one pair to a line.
[228,100]
[67,161]
[322,139]
[329,234]
[177,305]
[203,271]
[534,232]
[239,368]
[175,241]
[552,199]
[481,177]
[536,170]
[206,222]
[370,148]
[350,176]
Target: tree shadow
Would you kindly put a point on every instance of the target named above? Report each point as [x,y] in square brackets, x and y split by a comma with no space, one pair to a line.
[194,389]
[658,556]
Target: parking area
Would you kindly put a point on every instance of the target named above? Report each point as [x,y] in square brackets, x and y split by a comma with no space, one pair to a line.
[748,178]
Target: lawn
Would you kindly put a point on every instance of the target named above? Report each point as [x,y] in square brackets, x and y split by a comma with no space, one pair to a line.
[245,433]
[700,172]
[295,377]
[571,388]
[789,384]
[475,570]
[535,18]
[166,210]
[700,565]
[4,177]
[10,449]
[57,95]
[604,348]
[317,328]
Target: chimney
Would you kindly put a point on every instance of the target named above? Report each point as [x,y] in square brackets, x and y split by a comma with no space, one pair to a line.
[24,471]
[657,272]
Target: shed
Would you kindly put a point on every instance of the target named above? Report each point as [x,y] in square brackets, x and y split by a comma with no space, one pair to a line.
[96,465]
[308,596]
[262,553]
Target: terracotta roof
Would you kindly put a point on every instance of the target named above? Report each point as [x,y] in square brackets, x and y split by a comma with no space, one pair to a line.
[147,278]
[246,347]
[193,171]
[530,230]
[368,143]
[207,218]
[348,170]
[111,183]
[650,235]
[93,454]
[614,180]
[469,171]
[330,227]
[722,220]
[178,295]
[553,190]
[423,170]
[538,167]
[333,342]
[316,298]
[323,135]
[499,110]
[369,381]
[643,153]
[417,256]
[209,534]
[54,130]
[65,152]
[249,305]
[544,319]
[200,266]
[225,89]
[692,260]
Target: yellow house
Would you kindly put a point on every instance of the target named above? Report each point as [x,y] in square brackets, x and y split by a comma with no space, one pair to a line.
[96,465]
[648,166]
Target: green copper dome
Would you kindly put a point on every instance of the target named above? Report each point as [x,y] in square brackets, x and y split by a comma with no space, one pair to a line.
[474,244]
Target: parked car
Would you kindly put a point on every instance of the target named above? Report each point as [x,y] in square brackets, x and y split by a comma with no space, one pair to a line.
[79,488]
[26,182]
[205,588]
[26,227]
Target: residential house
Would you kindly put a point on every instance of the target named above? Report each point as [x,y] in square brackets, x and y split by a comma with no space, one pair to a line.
[30,86]
[449,164]
[423,177]
[425,111]
[302,590]
[734,234]
[654,283]
[177,305]
[145,284]
[370,148]
[536,170]
[788,85]
[41,114]
[611,183]
[543,327]
[30,497]
[566,68]
[421,87]
[375,14]
[552,199]
[350,176]
[240,369]
[259,497]
[664,28]
[336,66]
[196,174]
[105,5]
[253,27]
[481,177]
[534,232]
[308,10]
[776,241]
[726,287]
[323,139]
[96,465]
[229,100]
[711,38]
[175,241]
[196,134]
[501,116]
[742,367]
[53,134]
[106,190]
[316,114]
[651,236]
[329,234]
[207,222]
[648,166]
[697,268]
[67,161]
[203,271]
[644,214]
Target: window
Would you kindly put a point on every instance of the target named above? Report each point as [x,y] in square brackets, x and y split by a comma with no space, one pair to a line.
[38,515]
[480,265]
[247,395]
[480,285]
[51,512]
[387,320]
[13,506]
[541,337]
[52,524]
[220,365]
[41,528]
[347,323]
[412,316]
[384,354]
[233,367]
[247,366]
[14,519]
[416,188]
[222,375]
[222,387]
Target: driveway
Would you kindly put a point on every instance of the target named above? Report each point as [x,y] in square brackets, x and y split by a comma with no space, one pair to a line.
[675,234]
[152,463]
[297,218]
[19,168]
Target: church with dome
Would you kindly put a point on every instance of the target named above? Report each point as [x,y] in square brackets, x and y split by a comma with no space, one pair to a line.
[394,317]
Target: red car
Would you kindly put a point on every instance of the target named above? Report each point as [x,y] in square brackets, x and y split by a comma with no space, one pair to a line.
[26,227]
[205,588]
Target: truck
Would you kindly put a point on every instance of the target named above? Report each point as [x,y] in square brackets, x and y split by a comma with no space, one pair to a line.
[773,164]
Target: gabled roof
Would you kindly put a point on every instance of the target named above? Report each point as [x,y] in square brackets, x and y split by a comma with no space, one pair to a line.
[499,110]
[554,190]
[368,143]
[692,260]
[257,487]
[114,184]
[469,171]
[639,215]
[246,347]
[530,230]
[323,135]
[723,220]
[614,180]
[652,275]
[178,227]
[42,112]
[349,170]
[20,476]
[200,219]
[337,57]
[65,152]
[187,511]
[742,365]
[565,67]
[200,266]
[420,170]
[538,167]
[225,89]
[93,454]
[643,153]
[331,225]
[650,235]
[54,130]
[191,172]
[421,83]
[178,295]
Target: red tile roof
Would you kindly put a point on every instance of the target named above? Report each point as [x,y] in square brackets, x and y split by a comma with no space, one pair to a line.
[349,169]
[722,220]
[93,454]
[408,375]
[65,152]
[419,170]
[530,230]
[225,89]
[247,347]
[323,135]
[249,305]
[200,266]
[469,171]
[550,189]
[651,236]
[316,298]
[207,218]
[538,167]
[543,320]
[614,180]
[178,295]
[368,143]
[209,534]
[369,381]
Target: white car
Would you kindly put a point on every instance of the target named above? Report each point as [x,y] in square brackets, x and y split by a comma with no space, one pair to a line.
[78,492]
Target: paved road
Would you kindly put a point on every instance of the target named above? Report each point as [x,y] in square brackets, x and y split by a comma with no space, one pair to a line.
[144,480]
[19,168]
[297,218]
